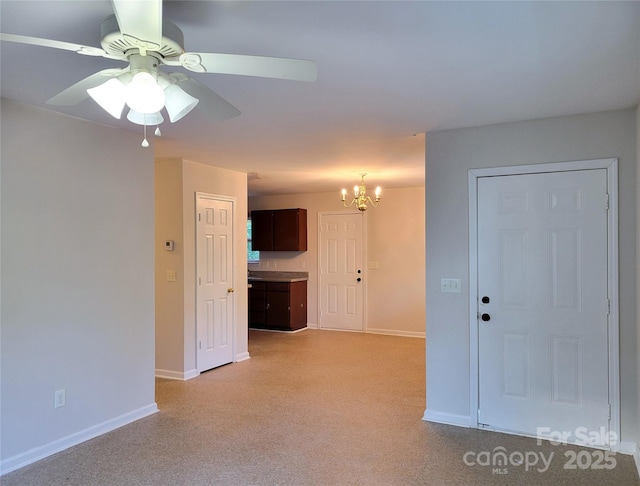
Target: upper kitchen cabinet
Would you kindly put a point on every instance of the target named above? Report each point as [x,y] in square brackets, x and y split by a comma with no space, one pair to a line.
[279,230]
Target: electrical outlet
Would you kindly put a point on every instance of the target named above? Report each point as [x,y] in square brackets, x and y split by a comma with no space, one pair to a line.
[59,398]
[171,276]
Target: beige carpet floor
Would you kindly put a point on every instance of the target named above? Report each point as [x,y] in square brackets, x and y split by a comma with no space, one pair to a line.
[312,408]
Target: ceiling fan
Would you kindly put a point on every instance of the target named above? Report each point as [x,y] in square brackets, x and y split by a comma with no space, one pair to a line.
[138,34]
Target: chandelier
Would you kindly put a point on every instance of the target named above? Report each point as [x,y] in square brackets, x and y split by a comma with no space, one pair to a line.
[360,197]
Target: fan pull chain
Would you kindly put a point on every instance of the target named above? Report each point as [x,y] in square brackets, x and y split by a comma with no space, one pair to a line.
[145,142]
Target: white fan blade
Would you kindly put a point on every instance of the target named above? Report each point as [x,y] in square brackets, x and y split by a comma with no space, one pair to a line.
[211,103]
[265,67]
[141,21]
[67,46]
[78,92]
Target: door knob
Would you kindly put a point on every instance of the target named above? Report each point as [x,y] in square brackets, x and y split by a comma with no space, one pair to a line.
[485,317]
[230,289]
[486,300]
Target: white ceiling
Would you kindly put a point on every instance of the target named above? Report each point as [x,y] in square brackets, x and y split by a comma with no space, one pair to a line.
[388,72]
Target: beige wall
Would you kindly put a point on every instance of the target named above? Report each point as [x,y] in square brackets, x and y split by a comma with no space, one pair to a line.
[394,238]
[77,303]
[449,155]
[169,295]
[177,182]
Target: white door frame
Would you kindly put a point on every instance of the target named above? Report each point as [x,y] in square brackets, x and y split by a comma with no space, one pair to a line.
[364,264]
[234,204]
[611,165]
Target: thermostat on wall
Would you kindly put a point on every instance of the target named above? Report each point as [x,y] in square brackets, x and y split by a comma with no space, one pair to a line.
[168,245]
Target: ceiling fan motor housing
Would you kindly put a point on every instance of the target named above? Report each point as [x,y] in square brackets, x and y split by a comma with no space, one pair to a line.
[118,45]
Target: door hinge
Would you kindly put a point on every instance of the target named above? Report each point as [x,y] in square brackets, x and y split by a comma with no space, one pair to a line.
[199,344]
[609,411]
[199,217]
[606,202]
[608,307]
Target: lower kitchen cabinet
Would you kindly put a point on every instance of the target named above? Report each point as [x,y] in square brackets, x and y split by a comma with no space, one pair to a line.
[278,305]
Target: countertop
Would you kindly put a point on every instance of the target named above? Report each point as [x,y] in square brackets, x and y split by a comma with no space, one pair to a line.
[264,276]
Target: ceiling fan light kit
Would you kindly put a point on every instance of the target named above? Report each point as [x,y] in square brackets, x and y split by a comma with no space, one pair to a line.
[145,118]
[179,102]
[137,34]
[144,95]
[110,96]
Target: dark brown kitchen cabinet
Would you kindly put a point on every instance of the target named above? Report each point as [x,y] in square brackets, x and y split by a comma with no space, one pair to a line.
[279,230]
[278,305]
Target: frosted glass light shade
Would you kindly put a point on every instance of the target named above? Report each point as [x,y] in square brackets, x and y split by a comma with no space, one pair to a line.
[143,94]
[178,102]
[110,96]
[145,118]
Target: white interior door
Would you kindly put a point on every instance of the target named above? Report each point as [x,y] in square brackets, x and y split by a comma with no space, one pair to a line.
[341,272]
[214,300]
[543,303]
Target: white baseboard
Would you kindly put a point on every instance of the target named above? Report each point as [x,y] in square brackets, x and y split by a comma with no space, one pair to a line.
[395,332]
[176,375]
[626,447]
[38,453]
[278,330]
[446,418]
[631,449]
[243,356]
[191,374]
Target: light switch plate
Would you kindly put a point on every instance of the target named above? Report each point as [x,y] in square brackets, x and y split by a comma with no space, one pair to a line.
[450,285]
[59,398]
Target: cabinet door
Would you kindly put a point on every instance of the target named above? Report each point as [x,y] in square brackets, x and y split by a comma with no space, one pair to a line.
[290,230]
[277,310]
[298,304]
[257,305]
[262,230]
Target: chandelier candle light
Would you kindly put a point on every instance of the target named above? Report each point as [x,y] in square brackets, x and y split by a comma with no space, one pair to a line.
[360,197]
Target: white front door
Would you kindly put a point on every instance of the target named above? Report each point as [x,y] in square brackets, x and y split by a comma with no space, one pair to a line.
[214,300]
[543,303]
[341,272]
